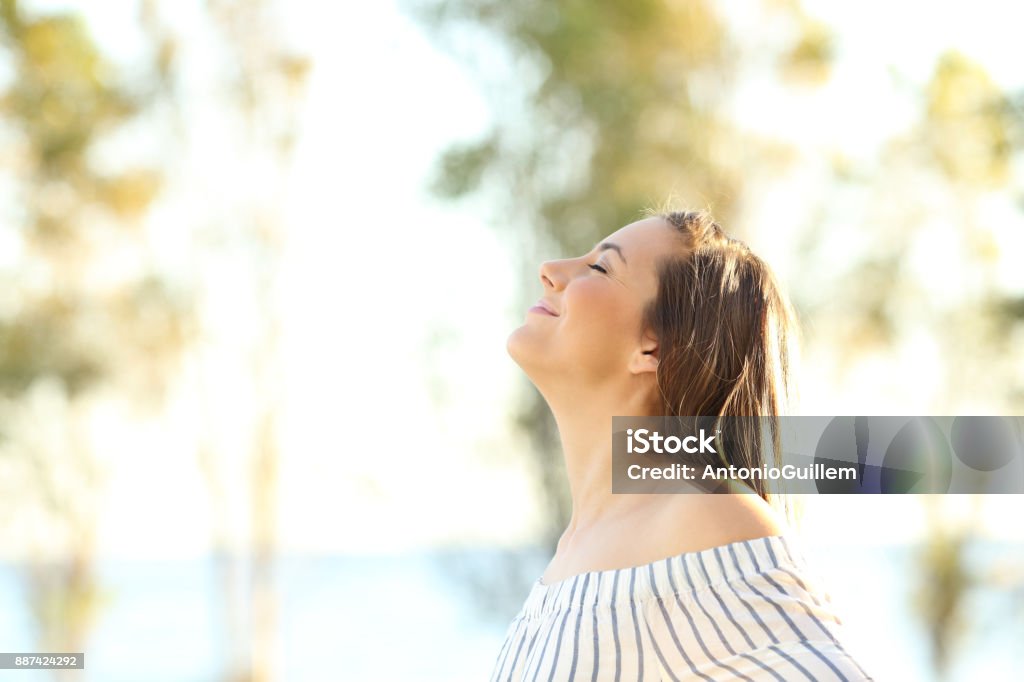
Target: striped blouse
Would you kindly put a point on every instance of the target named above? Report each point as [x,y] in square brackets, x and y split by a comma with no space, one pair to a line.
[742,611]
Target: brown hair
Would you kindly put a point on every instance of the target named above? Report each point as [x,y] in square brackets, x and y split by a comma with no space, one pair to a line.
[725,332]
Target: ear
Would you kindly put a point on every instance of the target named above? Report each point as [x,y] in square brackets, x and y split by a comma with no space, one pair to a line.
[645,357]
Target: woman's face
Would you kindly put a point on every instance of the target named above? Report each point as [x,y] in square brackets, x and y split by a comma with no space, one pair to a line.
[587,324]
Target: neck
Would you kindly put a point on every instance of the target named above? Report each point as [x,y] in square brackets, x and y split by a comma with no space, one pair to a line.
[585,430]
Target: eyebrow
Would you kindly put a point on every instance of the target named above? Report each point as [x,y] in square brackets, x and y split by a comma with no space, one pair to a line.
[605,246]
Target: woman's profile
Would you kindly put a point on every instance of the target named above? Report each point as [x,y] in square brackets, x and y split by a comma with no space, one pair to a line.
[667,316]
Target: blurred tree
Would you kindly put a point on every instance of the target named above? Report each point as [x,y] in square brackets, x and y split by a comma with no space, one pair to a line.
[923,192]
[946,581]
[261,80]
[265,85]
[968,133]
[74,319]
[76,322]
[603,109]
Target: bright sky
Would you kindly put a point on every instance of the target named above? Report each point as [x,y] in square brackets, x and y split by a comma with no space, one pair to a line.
[377,455]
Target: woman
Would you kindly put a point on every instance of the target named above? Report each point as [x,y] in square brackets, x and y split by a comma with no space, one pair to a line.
[668,316]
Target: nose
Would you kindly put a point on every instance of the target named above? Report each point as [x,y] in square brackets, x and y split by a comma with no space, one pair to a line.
[551,276]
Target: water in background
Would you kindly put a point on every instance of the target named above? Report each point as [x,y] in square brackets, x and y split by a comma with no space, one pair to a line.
[442,615]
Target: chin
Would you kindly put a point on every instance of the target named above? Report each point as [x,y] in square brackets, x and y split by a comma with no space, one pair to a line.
[515,343]
[533,355]
[526,349]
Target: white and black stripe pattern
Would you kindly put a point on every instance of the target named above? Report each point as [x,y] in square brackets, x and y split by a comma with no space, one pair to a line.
[748,610]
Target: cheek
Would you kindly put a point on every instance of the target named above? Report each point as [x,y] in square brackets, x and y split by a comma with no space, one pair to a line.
[601,310]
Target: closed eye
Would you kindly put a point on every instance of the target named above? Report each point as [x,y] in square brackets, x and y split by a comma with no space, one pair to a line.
[597,267]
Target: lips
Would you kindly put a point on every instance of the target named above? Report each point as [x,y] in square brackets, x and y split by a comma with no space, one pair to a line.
[547,306]
[544,308]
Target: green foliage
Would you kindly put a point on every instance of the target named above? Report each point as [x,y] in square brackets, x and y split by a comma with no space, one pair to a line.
[462,167]
[946,581]
[811,58]
[626,110]
[62,97]
[63,324]
[969,123]
[63,100]
[44,341]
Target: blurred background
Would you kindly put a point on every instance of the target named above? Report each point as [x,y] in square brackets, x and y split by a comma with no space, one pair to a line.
[240,239]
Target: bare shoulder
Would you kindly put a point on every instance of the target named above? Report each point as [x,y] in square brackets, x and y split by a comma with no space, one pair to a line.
[670,525]
[689,523]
